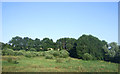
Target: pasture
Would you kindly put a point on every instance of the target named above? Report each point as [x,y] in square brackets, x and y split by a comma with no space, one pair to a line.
[41,64]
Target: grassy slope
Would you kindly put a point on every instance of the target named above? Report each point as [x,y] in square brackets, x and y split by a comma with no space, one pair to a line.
[40,64]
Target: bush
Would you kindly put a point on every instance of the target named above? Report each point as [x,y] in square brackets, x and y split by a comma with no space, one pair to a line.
[64,54]
[7,52]
[49,56]
[34,54]
[48,53]
[28,54]
[45,53]
[17,53]
[56,53]
[32,49]
[87,56]
[39,53]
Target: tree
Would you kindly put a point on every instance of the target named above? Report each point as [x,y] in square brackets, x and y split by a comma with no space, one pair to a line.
[65,43]
[16,43]
[73,52]
[91,45]
[47,43]
[112,52]
[37,44]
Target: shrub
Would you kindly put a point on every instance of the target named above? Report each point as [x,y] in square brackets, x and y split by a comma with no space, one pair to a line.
[33,54]
[47,53]
[50,52]
[17,53]
[32,49]
[87,56]
[64,54]
[39,53]
[56,53]
[49,56]
[7,52]
[28,54]
[20,53]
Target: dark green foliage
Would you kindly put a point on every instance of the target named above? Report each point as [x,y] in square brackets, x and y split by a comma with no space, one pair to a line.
[37,44]
[65,43]
[90,44]
[47,43]
[84,47]
[73,52]
[87,56]
[112,52]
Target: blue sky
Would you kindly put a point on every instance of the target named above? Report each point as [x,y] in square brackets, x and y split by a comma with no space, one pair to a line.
[60,19]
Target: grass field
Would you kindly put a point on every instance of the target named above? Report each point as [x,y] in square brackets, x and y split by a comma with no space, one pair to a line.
[40,64]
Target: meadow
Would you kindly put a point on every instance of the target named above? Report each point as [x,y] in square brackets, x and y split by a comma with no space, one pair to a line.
[41,64]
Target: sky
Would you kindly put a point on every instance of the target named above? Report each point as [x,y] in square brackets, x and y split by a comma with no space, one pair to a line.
[60,19]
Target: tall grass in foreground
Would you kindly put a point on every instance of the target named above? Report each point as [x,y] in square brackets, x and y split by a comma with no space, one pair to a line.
[41,64]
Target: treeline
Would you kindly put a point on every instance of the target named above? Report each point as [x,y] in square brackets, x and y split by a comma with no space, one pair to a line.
[86,47]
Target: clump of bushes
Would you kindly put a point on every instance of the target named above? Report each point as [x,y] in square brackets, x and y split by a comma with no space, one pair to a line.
[17,53]
[12,52]
[61,54]
[56,53]
[87,56]
[49,56]
[7,52]
[32,49]
[39,53]
[64,54]
[28,54]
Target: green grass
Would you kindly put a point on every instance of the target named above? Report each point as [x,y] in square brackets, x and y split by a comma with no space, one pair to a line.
[40,64]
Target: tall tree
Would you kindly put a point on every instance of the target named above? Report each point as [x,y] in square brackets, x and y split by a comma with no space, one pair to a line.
[37,44]
[65,43]
[16,43]
[90,44]
[47,43]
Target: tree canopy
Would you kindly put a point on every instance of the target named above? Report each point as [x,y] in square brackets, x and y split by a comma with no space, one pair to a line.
[86,47]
